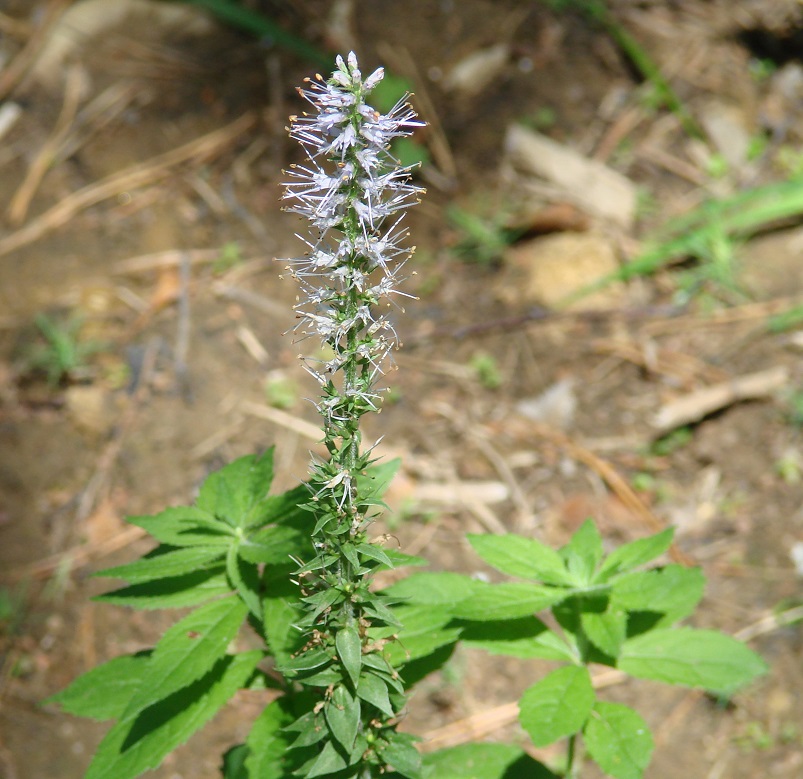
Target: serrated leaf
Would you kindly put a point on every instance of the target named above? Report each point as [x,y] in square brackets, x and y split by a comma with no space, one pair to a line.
[244,578]
[374,690]
[506,601]
[233,492]
[693,658]
[174,593]
[527,637]
[401,754]
[188,650]
[583,553]
[607,630]
[484,761]
[268,742]
[185,526]
[132,747]
[349,650]
[342,713]
[619,740]
[424,632]
[636,553]
[164,564]
[432,588]
[519,556]
[558,705]
[281,610]
[274,545]
[673,590]
[104,692]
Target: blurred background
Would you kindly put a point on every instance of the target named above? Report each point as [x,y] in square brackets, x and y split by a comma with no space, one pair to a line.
[608,323]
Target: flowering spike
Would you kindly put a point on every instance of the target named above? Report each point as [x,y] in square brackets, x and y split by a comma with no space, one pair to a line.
[353,191]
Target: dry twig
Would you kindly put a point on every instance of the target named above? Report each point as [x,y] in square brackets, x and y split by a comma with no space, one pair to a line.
[155,169]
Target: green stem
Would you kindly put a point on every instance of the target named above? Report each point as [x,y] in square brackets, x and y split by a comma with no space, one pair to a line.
[570,755]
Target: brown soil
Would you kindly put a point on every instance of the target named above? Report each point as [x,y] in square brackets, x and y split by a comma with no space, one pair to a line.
[147,414]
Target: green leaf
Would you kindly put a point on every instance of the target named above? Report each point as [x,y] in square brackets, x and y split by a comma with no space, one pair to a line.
[424,632]
[373,484]
[558,705]
[674,590]
[329,761]
[693,658]
[606,631]
[636,553]
[349,650]
[165,562]
[188,650]
[374,690]
[527,637]
[281,610]
[506,601]
[583,553]
[132,747]
[432,588]
[185,526]
[104,692]
[484,761]
[268,742]
[342,712]
[174,593]
[286,510]
[232,493]
[274,545]
[523,557]
[244,577]
[619,740]
[234,762]
[306,661]
[400,753]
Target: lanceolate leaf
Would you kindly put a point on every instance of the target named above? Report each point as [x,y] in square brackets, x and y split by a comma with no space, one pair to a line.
[636,553]
[349,650]
[527,637]
[132,747]
[619,740]
[104,692]
[558,705]
[523,557]
[583,553]
[244,577]
[185,526]
[173,593]
[694,658]
[401,754]
[342,712]
[268,743]
[374,690]
[188,651]
[507,600]
[430,588]
[166,562]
